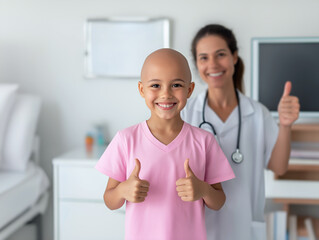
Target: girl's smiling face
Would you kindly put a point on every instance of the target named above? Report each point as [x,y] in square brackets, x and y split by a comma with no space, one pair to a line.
[166,84]
[215,62]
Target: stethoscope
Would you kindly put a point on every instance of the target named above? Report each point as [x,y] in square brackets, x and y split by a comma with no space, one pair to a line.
[237,156]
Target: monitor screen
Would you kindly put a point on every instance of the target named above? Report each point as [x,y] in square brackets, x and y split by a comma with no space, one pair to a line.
[276,61]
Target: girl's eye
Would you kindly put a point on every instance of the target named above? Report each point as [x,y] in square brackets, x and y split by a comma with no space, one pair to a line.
[155,86]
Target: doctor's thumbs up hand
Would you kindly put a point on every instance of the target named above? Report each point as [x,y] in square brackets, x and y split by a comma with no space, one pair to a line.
[288,107]
[134,189]
[189,188]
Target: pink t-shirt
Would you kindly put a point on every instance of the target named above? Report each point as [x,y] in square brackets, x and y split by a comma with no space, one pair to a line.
[163,215]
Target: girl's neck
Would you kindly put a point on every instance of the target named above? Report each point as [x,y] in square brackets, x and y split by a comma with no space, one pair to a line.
[165,130]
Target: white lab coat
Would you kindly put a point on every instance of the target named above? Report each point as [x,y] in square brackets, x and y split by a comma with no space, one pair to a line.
[242,216]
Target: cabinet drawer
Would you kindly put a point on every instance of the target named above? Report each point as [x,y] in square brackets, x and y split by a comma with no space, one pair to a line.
[83,221]
[81,182]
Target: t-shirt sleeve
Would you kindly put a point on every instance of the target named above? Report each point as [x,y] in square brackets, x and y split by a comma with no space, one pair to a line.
[113,161]
[218,168]
[271,133]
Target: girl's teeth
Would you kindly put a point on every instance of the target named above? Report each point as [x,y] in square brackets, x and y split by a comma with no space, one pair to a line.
[166,105]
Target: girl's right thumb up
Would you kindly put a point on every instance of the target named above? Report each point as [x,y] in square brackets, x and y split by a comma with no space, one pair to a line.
[136,170]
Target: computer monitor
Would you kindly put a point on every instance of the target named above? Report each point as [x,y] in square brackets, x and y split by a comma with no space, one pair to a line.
[277,60]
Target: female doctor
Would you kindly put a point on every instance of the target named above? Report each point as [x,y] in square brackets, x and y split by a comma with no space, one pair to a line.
[246,131]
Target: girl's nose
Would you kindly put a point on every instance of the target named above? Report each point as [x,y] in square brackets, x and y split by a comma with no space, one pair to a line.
[166,92]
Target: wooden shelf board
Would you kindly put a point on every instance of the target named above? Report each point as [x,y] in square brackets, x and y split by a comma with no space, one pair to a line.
[305,127]
[305,132]
[310,176]
[305,167]
[297,201]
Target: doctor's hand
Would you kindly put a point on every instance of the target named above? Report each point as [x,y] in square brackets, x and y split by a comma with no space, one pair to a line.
[134,189]
[189,188]
[288,107]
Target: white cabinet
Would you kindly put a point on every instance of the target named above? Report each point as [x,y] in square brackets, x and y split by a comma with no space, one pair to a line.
[79,210]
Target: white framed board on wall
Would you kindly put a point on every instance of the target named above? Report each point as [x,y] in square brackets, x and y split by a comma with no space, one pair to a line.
[117,48]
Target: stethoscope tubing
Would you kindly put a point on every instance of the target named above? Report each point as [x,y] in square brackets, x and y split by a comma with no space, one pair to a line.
[212,126]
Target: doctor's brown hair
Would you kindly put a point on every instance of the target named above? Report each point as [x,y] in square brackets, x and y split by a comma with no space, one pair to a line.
[229,38]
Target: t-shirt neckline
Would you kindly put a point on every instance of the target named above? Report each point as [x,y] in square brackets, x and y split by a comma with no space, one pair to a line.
[173,144]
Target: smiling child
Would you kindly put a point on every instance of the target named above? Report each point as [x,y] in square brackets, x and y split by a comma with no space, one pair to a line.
[163,168]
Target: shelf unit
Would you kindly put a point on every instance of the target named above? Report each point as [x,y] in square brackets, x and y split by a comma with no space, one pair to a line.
[300,184]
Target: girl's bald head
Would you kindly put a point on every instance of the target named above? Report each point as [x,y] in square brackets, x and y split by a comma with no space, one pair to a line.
[167,63]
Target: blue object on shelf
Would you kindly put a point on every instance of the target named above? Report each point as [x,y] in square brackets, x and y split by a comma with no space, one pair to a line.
[99,136]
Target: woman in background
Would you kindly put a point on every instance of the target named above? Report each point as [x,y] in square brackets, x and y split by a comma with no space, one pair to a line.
[248,135]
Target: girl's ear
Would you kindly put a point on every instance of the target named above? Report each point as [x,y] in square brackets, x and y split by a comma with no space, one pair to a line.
[141,88]
[190,89]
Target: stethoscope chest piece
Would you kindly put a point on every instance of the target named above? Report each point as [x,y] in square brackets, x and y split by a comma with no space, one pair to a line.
[237,157]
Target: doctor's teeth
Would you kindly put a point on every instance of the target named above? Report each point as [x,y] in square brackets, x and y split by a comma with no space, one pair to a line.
[215,74]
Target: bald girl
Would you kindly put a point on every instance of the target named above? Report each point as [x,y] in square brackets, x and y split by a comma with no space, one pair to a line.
[166,62]
[162,162]
[165,85]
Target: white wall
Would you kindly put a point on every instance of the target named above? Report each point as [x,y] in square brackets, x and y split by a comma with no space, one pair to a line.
[42,43]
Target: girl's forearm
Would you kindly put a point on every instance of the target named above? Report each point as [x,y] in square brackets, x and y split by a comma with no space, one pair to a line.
[113,198]
[214,197]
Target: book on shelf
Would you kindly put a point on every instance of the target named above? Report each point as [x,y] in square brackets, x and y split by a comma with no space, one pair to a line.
[276,223]
[292,227]
[269,218]
[310,229]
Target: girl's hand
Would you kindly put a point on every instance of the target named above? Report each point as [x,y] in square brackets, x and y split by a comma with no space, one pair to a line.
[188,188]
[288,107]
[134,189]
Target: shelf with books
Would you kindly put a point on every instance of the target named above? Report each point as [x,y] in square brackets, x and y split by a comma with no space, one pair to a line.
[297,185]
[281,226]
[300,184]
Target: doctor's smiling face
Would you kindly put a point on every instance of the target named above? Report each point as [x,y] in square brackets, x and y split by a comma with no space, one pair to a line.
[215,62]
[165,83]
